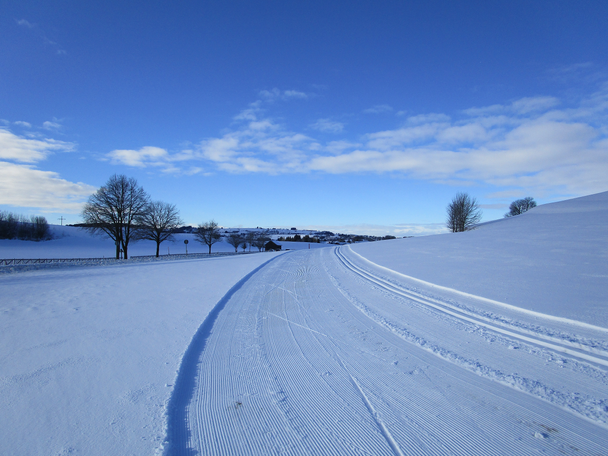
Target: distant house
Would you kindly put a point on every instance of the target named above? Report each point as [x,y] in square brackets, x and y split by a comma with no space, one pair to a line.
[271,246]
[294,229]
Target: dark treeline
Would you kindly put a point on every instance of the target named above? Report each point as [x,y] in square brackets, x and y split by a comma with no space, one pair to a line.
[298,238]
[15,226]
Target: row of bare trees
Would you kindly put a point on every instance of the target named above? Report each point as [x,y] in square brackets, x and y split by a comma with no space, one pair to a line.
[16,226]
[254,239]
[123,211]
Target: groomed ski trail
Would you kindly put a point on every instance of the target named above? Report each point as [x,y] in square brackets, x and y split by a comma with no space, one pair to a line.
[306,357]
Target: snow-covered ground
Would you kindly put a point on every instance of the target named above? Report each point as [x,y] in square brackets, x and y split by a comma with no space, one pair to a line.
[488,342]
[552,259]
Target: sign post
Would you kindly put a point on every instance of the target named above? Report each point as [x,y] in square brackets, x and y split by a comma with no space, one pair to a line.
[186,242]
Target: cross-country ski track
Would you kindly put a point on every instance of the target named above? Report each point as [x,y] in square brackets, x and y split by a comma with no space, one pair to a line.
[321,352]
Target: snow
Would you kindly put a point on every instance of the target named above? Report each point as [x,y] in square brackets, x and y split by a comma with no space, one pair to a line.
[493,341]
[89,355]
[552,259]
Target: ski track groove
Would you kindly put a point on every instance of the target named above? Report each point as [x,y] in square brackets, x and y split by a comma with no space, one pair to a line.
[583,405]
[493,325]
[290,363]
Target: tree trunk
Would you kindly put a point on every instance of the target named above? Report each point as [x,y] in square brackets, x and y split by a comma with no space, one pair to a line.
[157,248]
[209,249]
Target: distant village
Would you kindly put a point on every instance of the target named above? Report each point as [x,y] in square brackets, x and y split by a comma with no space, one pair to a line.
[296,235]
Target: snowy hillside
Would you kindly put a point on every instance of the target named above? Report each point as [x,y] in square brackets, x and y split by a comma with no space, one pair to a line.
[552,259]
[493,341]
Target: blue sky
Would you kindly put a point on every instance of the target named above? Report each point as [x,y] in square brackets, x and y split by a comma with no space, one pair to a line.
[354,116]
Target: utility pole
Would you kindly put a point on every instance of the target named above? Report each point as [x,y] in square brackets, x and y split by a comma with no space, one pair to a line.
[62,219]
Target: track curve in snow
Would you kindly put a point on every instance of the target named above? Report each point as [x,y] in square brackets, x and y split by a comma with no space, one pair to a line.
[306,357]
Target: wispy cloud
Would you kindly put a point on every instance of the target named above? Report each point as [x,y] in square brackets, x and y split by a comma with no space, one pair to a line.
[25,23]
[276,94]
[399,230]
[378,109]
[533,144]
[328,126]
[23,124]
[35,29]
[48,125]
[26,150]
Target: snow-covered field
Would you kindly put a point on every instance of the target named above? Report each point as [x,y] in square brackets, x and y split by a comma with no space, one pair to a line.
[72,242]
[493,341]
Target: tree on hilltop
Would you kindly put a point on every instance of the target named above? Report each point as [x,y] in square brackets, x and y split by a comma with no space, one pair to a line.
[463,213]
[520,206]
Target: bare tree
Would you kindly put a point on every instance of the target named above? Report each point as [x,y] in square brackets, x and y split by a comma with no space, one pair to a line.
[208,233]
[40,228]
[520,206]
[158,222]
[235,239]
[249,238]
[260,241]
[463,213]
[114,209]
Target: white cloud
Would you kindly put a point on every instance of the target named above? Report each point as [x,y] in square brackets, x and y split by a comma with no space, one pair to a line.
[294,94]
[533,104]
[16,148]
[378,109]
[530,145]
[469,133]
[522,106]
[338,147]
[23,124]
[391,139]
[23,186]
[146,156]
[270,94]
[25,23]
[276,94]
[51,125]
[328,126]
[251,113]
[220,149]
[399,230]
[428,118]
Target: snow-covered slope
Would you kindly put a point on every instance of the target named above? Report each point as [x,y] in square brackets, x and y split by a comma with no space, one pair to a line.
[552,259]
